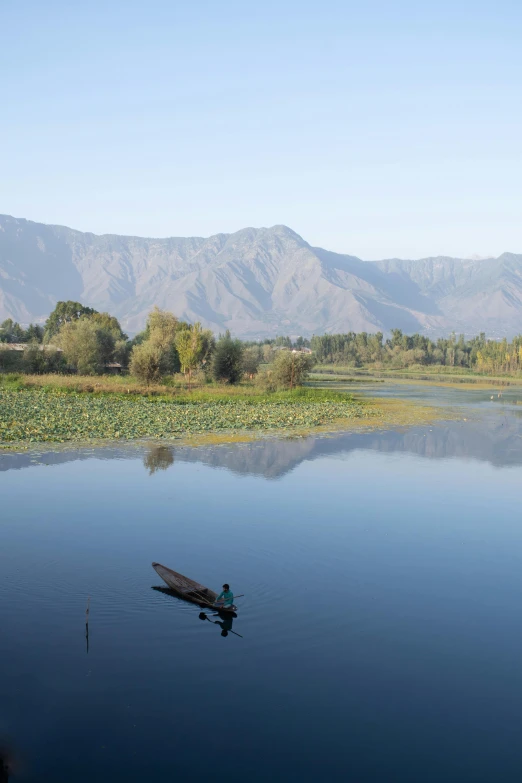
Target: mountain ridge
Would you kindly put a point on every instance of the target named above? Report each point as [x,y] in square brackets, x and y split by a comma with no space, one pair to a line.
[257,282]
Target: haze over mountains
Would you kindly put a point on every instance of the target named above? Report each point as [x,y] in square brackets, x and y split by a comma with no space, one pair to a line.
[255,282]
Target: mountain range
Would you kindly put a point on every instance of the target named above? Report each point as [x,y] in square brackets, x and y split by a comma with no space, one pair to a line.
[257,282]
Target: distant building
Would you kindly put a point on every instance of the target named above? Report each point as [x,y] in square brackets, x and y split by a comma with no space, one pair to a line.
[114,368]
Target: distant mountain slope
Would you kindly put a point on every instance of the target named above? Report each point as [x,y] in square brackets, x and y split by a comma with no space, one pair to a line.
[256,282]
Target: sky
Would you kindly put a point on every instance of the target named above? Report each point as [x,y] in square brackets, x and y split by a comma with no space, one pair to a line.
[380,129]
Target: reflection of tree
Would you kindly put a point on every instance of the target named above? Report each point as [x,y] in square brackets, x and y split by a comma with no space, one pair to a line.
[158,458]
[495,438]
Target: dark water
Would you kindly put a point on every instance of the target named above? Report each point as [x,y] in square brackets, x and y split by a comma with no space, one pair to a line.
[380,636]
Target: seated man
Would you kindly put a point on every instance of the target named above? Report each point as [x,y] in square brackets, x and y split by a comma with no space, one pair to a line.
[225,600]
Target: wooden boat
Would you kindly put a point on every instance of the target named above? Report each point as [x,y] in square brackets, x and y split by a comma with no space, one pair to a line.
[190,590]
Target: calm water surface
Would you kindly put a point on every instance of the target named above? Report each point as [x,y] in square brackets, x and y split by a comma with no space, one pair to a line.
[380,636]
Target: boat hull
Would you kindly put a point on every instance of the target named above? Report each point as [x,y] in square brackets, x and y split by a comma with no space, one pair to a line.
[189,590]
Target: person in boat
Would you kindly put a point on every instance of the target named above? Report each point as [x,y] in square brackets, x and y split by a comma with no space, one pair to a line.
[225,600]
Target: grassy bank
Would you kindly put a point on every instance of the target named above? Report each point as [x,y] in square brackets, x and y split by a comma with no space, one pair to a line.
[171,387]
[433,374]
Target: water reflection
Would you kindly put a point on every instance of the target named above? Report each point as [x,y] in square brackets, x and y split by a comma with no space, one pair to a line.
[158,458]
[486,428]
[225,623]
[495,438]
[4,770]
[7,763]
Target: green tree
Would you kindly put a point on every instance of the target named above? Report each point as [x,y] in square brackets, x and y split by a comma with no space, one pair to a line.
[10,361]
[268,353]
[110,324]
[396,338]
[162,328]
[110,339]
[122,351]
[34,332]
[207,351]
[34,359]
[251,360]
[227,362]
[82,346]
[190,346]
[159,356]
[38,359]
[302,342]
[147,362]
[291,369]
[106,343]
[11,332]
[65,312]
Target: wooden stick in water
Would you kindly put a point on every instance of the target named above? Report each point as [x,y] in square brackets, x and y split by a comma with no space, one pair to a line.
[87,623]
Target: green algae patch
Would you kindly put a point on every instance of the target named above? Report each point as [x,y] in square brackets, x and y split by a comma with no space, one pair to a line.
[30,416]
[390,412]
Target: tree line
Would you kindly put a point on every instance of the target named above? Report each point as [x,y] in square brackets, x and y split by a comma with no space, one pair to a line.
[400,351]
[78,338]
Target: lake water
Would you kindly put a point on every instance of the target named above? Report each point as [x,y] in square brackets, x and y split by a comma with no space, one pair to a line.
[380,636]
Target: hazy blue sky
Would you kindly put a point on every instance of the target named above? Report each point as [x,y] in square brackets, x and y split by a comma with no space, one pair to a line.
[374,128]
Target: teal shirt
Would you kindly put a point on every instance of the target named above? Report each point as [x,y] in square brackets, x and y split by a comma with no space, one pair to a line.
[227,597]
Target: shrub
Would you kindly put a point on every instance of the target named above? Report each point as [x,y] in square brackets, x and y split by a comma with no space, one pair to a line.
[38,359]
[265,382]
[147,362]
[291,369]
[10,360]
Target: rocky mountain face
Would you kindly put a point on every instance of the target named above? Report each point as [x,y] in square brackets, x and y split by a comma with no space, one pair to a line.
[255,282]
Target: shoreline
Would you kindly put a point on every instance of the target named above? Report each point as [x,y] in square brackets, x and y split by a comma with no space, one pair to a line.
[436,379]
[360,414]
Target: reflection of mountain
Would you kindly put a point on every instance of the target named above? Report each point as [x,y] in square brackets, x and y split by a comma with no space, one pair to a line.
[268,458]
[494,438]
